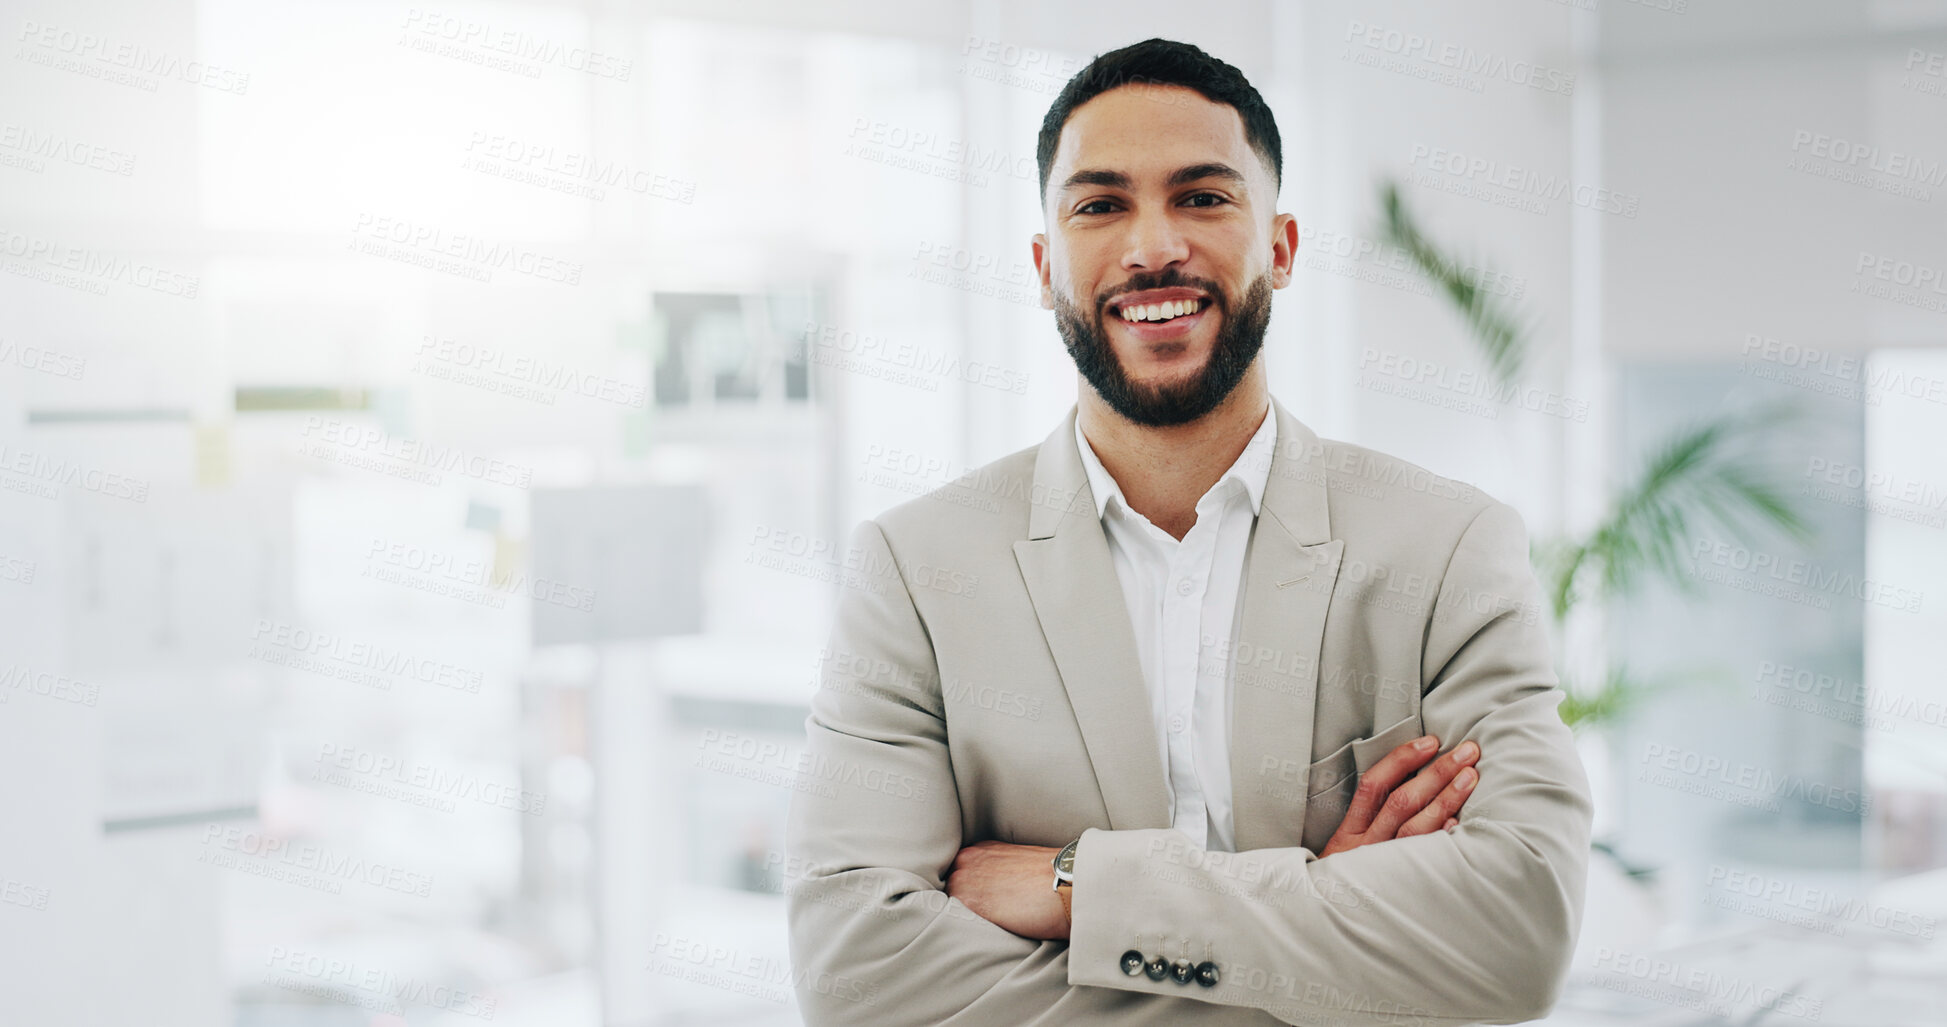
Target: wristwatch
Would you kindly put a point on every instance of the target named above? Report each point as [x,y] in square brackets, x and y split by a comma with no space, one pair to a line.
[1065,879]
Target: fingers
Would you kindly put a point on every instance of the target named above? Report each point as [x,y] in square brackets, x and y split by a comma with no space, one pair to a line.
[1379,781]
[1443,809]
[1429,789]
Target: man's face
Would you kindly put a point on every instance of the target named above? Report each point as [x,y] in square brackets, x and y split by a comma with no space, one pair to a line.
[1162,250]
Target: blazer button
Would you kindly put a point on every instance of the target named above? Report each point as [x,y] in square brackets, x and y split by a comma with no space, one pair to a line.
[1207,974]
[1157,969]
[1132,963]
[1181,970]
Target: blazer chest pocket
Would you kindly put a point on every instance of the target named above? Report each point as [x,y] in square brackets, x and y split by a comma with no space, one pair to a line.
[1331,781]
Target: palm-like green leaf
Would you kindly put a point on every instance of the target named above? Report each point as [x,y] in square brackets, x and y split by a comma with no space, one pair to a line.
[1618,694]
[1701,476]
[1501,335]
[1639,871]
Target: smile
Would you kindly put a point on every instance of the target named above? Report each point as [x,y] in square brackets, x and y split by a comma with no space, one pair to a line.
[1168,310]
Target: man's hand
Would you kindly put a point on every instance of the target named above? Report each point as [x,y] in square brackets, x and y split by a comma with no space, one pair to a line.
[1011,886]
[1383,809]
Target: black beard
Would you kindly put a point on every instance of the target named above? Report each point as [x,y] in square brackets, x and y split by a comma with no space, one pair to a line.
[1161,406]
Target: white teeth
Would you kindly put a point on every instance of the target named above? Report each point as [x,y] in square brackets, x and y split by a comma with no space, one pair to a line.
[1159,311]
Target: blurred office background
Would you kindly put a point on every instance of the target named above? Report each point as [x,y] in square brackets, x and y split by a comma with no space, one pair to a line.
[430,437]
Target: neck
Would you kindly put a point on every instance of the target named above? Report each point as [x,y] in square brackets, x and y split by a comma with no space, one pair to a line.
[1164,471]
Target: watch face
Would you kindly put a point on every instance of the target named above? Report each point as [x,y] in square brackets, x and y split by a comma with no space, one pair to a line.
[1066,861]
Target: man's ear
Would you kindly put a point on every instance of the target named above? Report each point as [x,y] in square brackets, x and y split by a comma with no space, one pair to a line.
[1039,243]
[1284,249]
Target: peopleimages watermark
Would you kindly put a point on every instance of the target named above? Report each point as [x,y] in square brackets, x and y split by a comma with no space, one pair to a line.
[28,150]
[42,360]
[1900,281]
[1694,987]
[1881,492]
[471,580]
[1790,578]
[1846,376]
[303,863]
[22,894]
[567,171]
[927,152]
[1811,368]
[1485,178]
[119,61]
[861,673]
[821,559]
[1358,471]
[1421,56]
[48,685]
[343,980]
[1820,909]
[40,475]
[1866,165]
[980,274]
[504,49]
[1039,71]
[1433,375]
[941,480]
[416,782]
[337,656]
[872,894]
[1250,875]
[1011,64]
[467,256]
[17,569]
[88,270]
[904,362]
[1925,72]
[869,677]
[775,763]
[1842,699]
[729,968]
[1350,255]
[517,375]
[1740,783]
[368,448]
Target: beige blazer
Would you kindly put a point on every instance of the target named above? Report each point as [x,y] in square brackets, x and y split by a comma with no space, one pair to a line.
[982,682]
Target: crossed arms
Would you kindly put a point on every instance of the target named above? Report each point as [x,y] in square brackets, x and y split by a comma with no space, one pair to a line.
[1471,926]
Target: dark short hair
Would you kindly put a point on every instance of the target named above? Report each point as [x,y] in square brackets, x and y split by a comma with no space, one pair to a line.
[1164,62]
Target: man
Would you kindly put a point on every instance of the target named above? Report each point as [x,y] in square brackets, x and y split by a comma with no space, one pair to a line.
[1216,653]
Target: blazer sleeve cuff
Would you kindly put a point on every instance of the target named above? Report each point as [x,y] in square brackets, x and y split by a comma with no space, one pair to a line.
[1114,914]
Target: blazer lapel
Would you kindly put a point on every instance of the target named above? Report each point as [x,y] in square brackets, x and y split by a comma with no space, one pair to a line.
[1072,582]
[1290,569]
[1291,566]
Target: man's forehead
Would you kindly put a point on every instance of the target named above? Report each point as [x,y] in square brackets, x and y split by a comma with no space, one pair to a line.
[1151,130]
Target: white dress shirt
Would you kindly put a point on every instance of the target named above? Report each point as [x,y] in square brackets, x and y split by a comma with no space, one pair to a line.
[1183,599]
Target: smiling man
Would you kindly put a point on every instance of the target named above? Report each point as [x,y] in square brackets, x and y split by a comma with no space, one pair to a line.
[1237,725]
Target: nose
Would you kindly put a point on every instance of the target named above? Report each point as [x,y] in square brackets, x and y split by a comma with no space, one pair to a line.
[1155,242]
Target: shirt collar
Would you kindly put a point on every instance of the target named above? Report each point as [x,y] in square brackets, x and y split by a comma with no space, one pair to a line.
[1251,469]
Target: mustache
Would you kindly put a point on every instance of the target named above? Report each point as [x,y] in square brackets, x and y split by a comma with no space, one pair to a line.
[1167,279]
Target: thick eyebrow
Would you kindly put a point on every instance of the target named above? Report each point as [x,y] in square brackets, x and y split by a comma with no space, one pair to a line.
[1194,172]
[1181,176]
